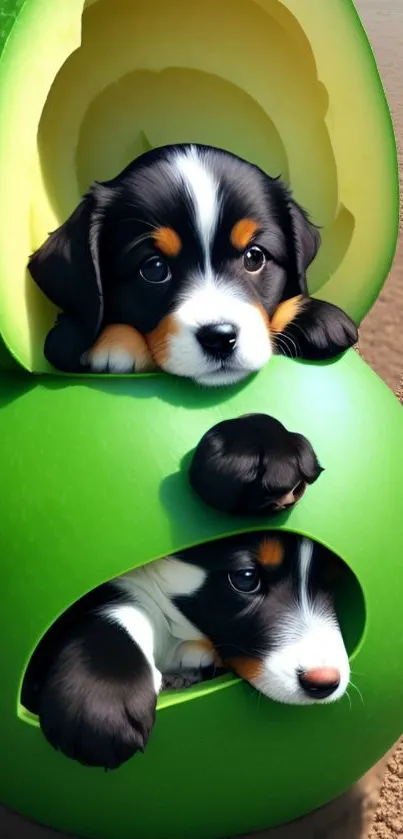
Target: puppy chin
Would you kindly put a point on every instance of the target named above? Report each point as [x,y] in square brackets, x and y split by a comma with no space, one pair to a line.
[222,377]
[184,359]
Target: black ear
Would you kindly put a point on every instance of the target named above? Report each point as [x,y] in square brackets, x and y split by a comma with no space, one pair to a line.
[305,243]
[312,329]
[252,465]
[66,269]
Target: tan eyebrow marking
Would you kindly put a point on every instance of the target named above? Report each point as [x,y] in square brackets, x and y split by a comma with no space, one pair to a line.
[168,241]
[286,312]
[271,552]
[242,232]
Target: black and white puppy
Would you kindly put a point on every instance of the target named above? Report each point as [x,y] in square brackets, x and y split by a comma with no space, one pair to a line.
[258,605]
[191,260]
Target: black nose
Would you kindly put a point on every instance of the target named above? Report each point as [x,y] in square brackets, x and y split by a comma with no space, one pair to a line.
[320,682]
[218,339]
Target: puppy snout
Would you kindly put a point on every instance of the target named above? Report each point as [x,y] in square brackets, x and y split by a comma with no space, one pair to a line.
[218,339]
[319,683]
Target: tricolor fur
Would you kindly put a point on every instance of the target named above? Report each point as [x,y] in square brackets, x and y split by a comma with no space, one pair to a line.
[181,262]
[258,605]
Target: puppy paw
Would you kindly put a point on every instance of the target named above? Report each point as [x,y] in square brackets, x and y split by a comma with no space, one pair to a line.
[252,465]
[312,329]
[99,707]
[119,349]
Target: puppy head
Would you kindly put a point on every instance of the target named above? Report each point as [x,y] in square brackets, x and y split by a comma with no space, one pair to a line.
[193,247]
[266,606]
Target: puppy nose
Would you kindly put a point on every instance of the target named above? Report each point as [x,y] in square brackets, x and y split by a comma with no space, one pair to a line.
[218,339]
[319,682]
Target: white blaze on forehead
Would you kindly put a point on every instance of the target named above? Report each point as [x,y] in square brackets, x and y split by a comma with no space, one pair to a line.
[191,168]
[210,301]
[305,564]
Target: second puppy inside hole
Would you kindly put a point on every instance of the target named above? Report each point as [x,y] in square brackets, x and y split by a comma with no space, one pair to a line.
[260,605]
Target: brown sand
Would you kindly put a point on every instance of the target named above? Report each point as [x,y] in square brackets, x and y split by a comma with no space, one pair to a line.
[381,340]
[388,821]
[381,337]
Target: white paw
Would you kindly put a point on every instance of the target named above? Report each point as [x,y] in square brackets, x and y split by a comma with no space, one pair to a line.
[157,679]
[110,360]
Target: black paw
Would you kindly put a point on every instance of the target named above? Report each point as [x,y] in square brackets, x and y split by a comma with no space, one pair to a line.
[65,345]
[252,465]
[313,329]
[97,705]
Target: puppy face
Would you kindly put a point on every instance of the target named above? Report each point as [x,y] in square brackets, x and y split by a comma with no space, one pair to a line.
[225,249]
[194,248]
[266,606]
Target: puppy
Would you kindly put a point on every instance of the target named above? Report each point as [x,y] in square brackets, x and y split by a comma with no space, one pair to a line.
[191,260]
[258,605]
[252,466]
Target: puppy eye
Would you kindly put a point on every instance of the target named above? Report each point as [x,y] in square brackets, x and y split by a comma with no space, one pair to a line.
[155,270]
[254,259]
[246,581]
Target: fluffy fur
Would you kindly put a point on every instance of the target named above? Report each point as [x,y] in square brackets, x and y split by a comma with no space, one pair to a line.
[258,605]
[184,258]
[252,465]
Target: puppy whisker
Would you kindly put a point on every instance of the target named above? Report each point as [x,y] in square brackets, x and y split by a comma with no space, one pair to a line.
[358,691]
[293,344]
[279,343]
[137,241]
[143,221]
[282,341]
[251,652]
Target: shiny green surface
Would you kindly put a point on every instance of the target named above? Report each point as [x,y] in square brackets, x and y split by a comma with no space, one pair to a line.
[91,486]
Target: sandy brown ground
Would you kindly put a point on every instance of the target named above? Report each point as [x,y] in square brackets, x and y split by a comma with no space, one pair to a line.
[360,813]
[381,338]
[381,345]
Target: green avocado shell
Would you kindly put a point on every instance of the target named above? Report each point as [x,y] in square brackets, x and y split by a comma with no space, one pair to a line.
[94,482]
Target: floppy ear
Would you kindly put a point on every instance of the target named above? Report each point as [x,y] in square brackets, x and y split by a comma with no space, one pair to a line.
[306,242]
[66,269]
[312,329]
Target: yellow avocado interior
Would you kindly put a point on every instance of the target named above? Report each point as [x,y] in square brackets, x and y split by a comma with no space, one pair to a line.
[291,86]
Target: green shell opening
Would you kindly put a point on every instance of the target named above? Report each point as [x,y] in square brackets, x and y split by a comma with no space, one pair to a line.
[351,613]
